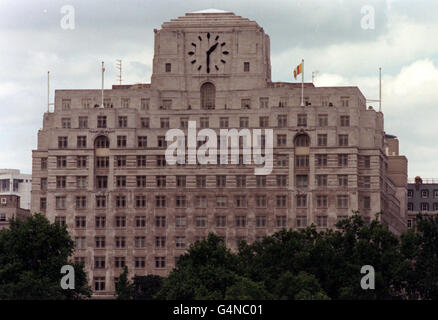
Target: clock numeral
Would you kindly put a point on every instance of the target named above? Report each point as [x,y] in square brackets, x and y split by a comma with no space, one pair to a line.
[193,61]
[217,37]
[199,68]
[191,53]
[225,52]
[194,44]
[199,37]
[223,61]
[208,35]
[222,44]
[217,68]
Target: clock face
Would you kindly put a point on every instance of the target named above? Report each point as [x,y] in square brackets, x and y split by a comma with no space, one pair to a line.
[208,53]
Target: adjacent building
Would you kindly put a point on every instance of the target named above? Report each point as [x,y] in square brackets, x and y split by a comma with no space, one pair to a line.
[422,198]
[12,182]
[100,166]
[10,209]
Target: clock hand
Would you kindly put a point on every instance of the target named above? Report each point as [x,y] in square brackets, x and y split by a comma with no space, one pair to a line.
[212,48]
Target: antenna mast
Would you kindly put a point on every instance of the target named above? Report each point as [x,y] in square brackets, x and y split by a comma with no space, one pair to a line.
[119,66]
[48,92]
[380,92]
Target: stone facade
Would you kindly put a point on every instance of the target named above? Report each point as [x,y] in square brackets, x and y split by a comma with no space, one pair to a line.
[422,198]
[214,68]
[12,182]
[10,209]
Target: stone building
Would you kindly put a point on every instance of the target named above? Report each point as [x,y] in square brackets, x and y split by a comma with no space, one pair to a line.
[10,209]
[12,182]
[102,170]
[422,198]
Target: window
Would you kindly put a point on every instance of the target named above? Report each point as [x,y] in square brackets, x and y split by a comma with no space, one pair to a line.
[425,194]
[43,184]
[180,221]
[435,194]
[66,123]
[200,221]
[120,161]
[121,141]
[223,122]
[321,201]
[221,221]
[321,160]
[301,201]
[410,206]
[160,201]
[125,102]
[301,221]
[180,242]
[99,262]
[343,180]
[343,140]
[323,120]
[208,96]
[123,122]
[81,161]
[66,104]
[86,103]
[221,201]
[164,123]
[62,142]
[61,182]
[141,161]
[342,201]
[260,221]
[140,262]
[302,181]
[302,120]
[160,242]
[184,123]
[281,180]
[409,223]
[61,162]
[281,140]
[101,202]
[141,181]
[321,180]
[120,242]
[80,222]
[144,122]
[102,162]
[140,242]
[321,221]
[424,206]
[264,122]
[367,182]
[221,181]
[345,121]
[144,104]
[160,262]
[140,201]
[161,161]
[168,67]
[345,101]
[81,202]
[264,103]
[245,103]
[282,121]
[119,262]
[83,122]
[201,181]
[302,140]
[435,206]
[101,121]
[240,221]
[204,122]
[161,181]
[322,140]
[43,163]
[260,181]
[342,160]
[120,201]
[121,181]
[282,160]
[200,201]
[60,220]
[367,202]
[99,283]
[100,222]
[280,221]
[180,201]
[102,142]
[107,103]
[161,142]
[410,193]
[181,181]
[367,161]
[100,242]
[246,66]
[244,122]
[281,201]
[240,201]
[261,201]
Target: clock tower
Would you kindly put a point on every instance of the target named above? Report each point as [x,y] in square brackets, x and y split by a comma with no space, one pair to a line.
[211,46]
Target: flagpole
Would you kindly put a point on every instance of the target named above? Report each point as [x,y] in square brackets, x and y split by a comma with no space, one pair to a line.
[302,83]
[103,70]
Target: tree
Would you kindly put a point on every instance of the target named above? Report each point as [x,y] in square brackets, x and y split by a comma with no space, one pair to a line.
[146,287]
[246,289]
[32,252]
[420,248]
[124,288]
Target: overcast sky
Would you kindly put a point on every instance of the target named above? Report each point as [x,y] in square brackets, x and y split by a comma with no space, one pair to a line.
[327,34]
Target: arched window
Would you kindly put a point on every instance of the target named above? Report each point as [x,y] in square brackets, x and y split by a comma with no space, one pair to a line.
[302,140]
[208,95]
[101,142]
